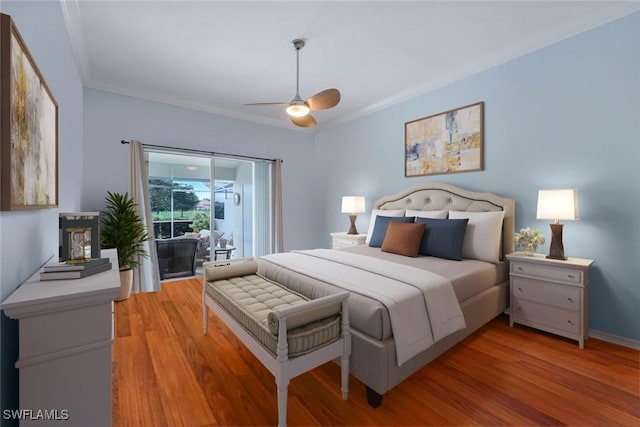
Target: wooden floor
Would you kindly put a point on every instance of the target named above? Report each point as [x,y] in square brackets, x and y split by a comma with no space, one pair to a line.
[168,373]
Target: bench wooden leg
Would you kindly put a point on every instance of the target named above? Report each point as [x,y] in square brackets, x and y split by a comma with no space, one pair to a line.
[282,404]
[344,371]
[205,317]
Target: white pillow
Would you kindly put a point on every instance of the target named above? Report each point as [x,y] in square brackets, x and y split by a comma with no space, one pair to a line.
[375,213]
[483,236]
[427,214]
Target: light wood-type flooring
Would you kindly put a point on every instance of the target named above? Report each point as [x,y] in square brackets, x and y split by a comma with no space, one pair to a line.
[167,372]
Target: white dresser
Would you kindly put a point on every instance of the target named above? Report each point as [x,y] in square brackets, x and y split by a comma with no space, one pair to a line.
[345,240]
[550,295]
[65,337]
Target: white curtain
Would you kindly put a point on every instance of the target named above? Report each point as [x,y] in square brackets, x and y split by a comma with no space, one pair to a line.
[261,210]
[276,207]
[146,278]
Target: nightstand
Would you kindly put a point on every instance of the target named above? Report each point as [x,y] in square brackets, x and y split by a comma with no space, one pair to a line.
[550,295]
[344,240]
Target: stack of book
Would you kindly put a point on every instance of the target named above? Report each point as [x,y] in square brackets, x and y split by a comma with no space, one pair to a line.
[63,270]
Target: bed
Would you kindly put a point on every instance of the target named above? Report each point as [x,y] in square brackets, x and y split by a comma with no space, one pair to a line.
[478,280]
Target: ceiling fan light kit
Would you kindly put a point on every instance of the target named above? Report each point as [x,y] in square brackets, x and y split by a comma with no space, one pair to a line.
[296,109]
[299,109]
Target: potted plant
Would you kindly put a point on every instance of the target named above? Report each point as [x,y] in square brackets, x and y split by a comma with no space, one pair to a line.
[123,229]
[528,240]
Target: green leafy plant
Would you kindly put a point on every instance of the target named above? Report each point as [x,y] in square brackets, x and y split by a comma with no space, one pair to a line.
[201,221]
[123,229]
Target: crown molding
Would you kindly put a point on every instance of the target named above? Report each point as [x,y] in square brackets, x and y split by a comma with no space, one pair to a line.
[181,103]
[73,22]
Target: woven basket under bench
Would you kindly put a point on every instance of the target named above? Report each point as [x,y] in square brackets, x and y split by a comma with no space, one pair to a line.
[286,331]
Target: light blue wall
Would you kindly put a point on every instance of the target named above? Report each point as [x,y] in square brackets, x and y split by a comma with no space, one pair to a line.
[29,238]
[110,118]
[567,116]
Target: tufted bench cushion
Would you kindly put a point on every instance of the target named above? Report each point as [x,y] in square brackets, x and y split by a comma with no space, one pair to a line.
[252,300]
[287,332]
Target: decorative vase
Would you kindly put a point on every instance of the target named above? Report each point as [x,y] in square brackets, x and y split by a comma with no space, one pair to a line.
[126,281]
[530,250]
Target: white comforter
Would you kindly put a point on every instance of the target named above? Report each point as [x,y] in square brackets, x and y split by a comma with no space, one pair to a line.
[422,306]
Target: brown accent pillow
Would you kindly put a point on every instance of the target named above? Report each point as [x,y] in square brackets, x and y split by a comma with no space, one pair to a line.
[403,238]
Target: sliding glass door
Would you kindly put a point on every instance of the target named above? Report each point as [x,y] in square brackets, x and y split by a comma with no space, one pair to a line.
[226,199]
[180,193]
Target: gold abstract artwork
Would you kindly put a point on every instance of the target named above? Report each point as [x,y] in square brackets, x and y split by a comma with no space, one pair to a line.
[447,142]
[29,148]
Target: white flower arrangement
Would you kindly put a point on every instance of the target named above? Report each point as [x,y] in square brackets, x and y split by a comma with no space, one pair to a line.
[528,240]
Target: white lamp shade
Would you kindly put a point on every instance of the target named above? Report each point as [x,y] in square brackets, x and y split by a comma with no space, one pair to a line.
[558,204]
[353,204]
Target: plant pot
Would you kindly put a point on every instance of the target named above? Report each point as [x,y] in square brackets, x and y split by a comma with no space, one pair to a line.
[126,281]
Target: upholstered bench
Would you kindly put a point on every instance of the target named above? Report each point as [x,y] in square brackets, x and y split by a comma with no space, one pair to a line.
[286,331]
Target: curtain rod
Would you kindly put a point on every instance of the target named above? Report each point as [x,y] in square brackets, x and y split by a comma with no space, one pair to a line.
[210,153]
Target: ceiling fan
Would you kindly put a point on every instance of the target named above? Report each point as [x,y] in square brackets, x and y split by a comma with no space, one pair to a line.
[299,109]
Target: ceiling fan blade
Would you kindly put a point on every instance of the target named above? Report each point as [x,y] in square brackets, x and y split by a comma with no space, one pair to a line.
[305,121]
[328,98]
[268,103]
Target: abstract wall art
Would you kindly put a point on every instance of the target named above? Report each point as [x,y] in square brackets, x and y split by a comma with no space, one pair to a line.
[28,128]
[447,142]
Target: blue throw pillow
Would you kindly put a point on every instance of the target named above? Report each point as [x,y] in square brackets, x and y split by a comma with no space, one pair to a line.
[443,238]
[380,228]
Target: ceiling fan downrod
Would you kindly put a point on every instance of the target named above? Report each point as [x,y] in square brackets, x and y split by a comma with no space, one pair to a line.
[298,44]
[298,107]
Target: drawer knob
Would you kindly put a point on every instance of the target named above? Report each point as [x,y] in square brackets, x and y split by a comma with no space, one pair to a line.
[570,322]
[520,289]
[570,299]
[519,268]
[570,276]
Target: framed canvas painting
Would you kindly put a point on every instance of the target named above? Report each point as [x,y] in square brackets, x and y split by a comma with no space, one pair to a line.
[447,142]
[28,128]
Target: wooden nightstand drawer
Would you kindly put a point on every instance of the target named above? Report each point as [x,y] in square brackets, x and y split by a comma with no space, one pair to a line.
[340,242]
[540,314]
[344,240]
[566,297]
[567,275]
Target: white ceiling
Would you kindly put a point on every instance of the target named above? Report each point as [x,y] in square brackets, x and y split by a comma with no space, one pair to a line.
[216,56]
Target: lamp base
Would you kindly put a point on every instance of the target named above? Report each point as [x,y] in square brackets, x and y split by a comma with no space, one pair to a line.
[352,229]
[556,251]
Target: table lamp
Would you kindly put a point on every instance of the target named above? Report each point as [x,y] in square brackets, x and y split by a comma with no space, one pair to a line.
[557,205]
[352,205]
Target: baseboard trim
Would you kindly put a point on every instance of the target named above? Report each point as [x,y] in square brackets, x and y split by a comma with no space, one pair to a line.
[615,339]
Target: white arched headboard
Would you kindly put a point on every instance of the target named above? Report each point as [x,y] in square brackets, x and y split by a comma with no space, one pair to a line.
[432,196]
